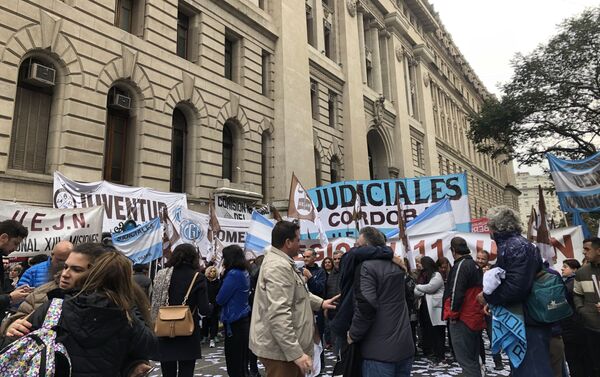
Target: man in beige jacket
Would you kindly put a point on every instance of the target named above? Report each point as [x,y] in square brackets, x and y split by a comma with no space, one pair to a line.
[282,326]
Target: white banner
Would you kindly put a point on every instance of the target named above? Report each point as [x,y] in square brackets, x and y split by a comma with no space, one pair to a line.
[120,202]
[193,228]
[49,226]
[230,207]
[567,243]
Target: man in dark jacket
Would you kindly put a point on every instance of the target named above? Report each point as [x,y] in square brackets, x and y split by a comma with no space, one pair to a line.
[461,309]
[381,320]
[12,234]
[586,298]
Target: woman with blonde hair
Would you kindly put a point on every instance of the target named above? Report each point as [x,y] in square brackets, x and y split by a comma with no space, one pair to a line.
[100,325]
[210,324]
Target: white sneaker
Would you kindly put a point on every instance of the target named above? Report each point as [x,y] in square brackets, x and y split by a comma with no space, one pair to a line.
[212,344]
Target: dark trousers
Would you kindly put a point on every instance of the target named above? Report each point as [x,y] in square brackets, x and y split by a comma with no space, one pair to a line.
[210,325]
[593,345]
[434,337]
[236,347]
[180,368]
[466,348]
[577,358]
[537,358]
[497,357]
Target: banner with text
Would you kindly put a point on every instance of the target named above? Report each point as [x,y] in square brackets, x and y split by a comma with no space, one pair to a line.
[49,226]
[120,202]
[193,228]
[335,202]
[577,183]
[230,207]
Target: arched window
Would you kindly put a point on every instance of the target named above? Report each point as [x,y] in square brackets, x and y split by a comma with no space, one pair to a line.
[266,162]
[228,157]
[118,124]
[178,151]
[31,120]
[334,169]
[318,178]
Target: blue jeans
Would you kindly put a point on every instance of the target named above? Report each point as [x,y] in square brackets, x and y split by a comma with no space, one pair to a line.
[372,368]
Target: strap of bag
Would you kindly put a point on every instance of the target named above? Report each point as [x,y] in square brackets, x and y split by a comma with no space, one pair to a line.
[53,314]
[189,289]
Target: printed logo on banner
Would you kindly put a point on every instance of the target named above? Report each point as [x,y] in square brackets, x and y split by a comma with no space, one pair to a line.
[62,199]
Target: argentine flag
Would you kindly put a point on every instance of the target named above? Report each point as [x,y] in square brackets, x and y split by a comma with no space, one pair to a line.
[435,219]
[258,236]
[142,244]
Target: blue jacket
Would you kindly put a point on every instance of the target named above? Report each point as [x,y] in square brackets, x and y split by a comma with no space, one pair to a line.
[36,275]
[233,296]
[521,260]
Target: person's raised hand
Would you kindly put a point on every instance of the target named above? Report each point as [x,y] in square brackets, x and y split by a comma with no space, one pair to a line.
[305,364]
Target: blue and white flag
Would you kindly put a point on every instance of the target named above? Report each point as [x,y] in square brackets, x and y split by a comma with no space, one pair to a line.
[142,244]
[577,183]
[259,233]
[438,218]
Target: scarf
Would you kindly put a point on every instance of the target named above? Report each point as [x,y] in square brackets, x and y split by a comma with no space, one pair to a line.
[160,291]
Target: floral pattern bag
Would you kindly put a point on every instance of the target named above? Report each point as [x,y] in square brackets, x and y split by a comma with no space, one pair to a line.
[34,354]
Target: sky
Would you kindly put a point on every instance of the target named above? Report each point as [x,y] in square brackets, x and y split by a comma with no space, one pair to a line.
[490,32]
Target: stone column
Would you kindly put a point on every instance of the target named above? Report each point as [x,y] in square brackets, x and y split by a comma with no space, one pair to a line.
[402,150]
[425,109]
[376,57]
[361,43]
[292,135]
[356,162]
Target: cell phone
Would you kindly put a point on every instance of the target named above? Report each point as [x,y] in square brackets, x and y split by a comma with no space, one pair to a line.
[147,373]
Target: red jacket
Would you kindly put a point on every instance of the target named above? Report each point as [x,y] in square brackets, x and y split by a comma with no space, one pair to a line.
[460,297]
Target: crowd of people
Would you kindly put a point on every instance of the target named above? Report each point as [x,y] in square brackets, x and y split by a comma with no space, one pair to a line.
[367,306]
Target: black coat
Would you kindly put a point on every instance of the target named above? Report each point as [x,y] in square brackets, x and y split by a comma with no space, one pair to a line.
[381,321]
[186,347]
[97,335]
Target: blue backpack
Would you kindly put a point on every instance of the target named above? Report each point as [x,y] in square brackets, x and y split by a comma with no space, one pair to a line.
[547,302]
[34,354]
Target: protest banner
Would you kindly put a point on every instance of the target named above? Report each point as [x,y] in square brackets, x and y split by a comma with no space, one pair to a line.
[230,207]
[577,183]
[335,202]
[567,243]
[120,202]
[193,228]
[49,226]
[142,244]
[480,225]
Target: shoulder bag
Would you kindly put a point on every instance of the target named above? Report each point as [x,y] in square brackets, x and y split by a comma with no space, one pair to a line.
[175,320]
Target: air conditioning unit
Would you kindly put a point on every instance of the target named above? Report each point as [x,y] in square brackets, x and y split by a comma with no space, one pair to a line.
[121,101]
[41,74]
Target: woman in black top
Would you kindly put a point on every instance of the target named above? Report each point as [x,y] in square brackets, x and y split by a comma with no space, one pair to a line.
[178,355]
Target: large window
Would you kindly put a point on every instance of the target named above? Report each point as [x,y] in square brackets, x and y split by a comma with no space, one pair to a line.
[418,154]
[232,56]
[117,130]
[314,99]
[31,121]
[183,28]
[178,151]
[334,169]
[318,175]
[227,155]
[332,109]
[129,16]
[266,161]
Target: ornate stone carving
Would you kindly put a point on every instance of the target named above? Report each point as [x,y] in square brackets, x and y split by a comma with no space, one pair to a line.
[351,6]
[394,172]
[400,54]
[378,111]
[426,79]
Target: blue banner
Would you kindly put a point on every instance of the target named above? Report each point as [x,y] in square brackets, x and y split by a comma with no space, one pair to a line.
[577,183]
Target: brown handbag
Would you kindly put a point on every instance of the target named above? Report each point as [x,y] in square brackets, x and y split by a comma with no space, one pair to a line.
[175,320]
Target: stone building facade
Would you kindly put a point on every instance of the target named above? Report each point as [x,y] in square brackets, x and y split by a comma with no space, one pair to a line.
[528,185]
[234,95]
